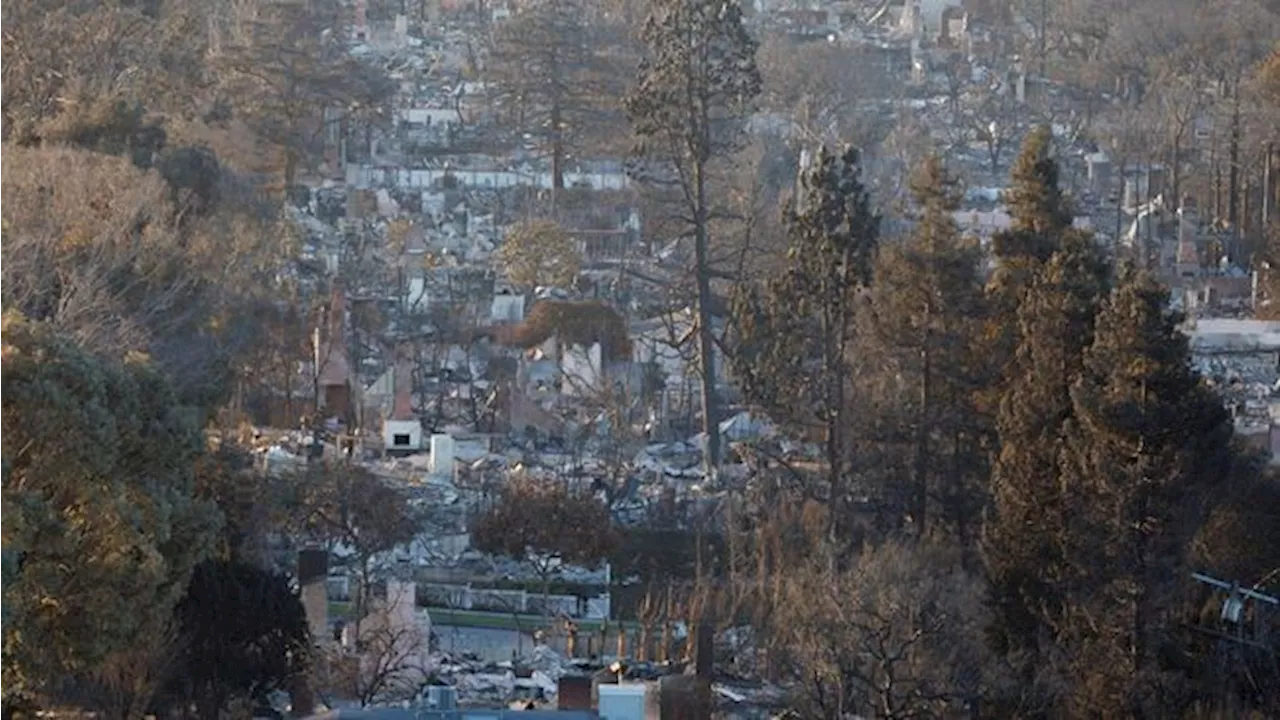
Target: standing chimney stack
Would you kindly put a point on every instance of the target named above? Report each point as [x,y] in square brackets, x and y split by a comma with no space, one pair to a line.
[313,586]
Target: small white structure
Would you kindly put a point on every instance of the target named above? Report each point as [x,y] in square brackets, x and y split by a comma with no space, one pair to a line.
[442,456]
[402,436]
[416,296]
[394,628]
[507,308]
[582,368]
[1188,256]
[624,701]
[667,341]
[401,604]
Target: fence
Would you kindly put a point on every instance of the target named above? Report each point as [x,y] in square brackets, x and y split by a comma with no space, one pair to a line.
[462,596]
[465,597]
[444,575]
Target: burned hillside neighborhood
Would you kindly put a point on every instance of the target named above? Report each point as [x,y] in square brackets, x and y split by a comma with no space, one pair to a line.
[629,359]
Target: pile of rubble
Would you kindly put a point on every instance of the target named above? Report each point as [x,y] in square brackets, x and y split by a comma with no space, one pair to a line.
[531,679]
[1248,384]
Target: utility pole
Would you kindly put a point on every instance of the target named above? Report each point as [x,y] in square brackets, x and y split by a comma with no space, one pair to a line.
[1242,644]
[1268,186]
[1044,38]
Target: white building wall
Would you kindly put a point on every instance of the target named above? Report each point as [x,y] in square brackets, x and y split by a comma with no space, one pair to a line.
[415,297]
[507,308]
[625,701]
[412,428]
[655,347]
[442,447]
[583,370]
[364,176]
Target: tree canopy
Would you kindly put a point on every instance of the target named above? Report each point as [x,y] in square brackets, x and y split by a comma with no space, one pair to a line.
[545,523]
[1006,442]
[244,635]
[926,303]
[98,249]
[1145,453]
[545,64]
[795,334]
[102,525]
[581,323]
[539,253]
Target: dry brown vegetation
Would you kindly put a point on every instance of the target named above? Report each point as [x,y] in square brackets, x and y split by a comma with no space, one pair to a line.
[119,259]
[581,323]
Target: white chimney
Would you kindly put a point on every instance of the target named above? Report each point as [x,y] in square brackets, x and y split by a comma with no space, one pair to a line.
[624,701]
[442,455]
[401,604]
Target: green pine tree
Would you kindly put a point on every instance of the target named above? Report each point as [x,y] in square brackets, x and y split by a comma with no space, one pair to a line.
[1023,536]
[794,335]
[1035,202]
[1041,218]
[1144,453]
[928,303]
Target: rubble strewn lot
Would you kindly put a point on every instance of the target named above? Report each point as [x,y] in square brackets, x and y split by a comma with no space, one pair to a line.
[408,226]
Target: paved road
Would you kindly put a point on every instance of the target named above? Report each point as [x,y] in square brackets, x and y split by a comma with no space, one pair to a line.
[491,645]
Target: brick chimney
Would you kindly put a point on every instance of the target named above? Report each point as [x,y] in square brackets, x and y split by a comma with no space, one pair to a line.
[574,693]
[402,407]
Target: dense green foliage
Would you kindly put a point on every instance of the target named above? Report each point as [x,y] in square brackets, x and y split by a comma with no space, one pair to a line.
[102,528]
[245,636]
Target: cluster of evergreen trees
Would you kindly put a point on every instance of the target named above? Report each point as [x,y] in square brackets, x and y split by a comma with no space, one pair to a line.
[1044,417]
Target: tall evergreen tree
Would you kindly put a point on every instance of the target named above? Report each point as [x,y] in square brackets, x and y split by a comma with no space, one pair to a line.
[1024,534]
[692,96]
[927,303]
[1041,217]
[243,635]
[1147,446]
[793,345]
[1035,201]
